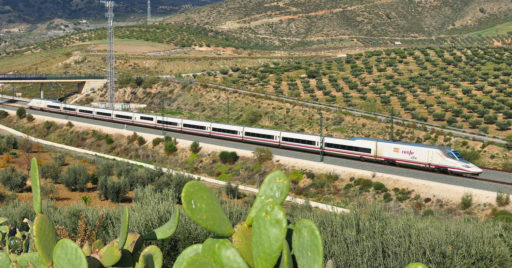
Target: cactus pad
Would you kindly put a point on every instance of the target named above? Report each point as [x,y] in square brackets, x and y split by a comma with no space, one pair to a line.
[286,256]
[97,245]
[166,230]
[45,238]
[274,189]
[198,261]
[416,265]
[223,253]
[126,259]
[150,257]
[31,259]
[203,207]
[68,254]
[307,245]
[268,234]
[110,254]
[187,253]
[243,242]
[123,232]
[36,186]
[5,261]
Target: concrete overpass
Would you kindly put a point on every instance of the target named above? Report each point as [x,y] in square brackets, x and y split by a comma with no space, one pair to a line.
[85,83]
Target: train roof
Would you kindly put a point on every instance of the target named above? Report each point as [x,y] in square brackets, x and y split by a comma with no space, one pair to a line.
[400,143]
[54,101]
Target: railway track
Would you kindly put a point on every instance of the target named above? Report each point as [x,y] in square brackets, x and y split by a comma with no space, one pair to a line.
[504,178]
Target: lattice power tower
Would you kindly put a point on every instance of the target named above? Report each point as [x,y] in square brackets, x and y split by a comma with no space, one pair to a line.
[149,12]
[111,59]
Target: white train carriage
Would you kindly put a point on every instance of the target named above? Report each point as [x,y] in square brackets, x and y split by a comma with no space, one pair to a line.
[103,113]
[197,127]
[144,119]
[40,104]
[168,122]
[125,117]
[358,149]
[69,109]
[412,154]
[300,141]
[53,106]
[263,136]
[85,111]
[227,131]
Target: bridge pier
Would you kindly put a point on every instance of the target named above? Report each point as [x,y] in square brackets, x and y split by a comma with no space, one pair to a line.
[41,89]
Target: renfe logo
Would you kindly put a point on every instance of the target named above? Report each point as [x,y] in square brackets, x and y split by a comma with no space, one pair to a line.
[410,152]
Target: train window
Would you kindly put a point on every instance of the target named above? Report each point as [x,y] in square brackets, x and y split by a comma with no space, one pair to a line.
[258,135]
[53,106]
[147,118]
[301,141]
[222,130]
[69,109]
[123,116]
[194,126]
[103,114]
[167,123]
[348,148]
[85,111]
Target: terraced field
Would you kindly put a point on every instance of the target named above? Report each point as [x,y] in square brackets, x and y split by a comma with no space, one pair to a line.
[468,88]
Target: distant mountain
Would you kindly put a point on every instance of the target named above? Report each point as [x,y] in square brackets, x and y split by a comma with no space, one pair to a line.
[35,11]
[306,20]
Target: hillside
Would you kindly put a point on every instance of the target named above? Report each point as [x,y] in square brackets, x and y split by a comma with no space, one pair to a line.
[294,21]
[34,11]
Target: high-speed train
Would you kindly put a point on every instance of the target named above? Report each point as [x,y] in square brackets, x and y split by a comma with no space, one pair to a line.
[442,159]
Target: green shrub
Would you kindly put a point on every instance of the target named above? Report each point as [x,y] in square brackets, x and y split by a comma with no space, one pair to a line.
[13,179]
[109,140]
[331,177]
[228,157]
[387,197]
[141,141]
[364,184]
[262,155]
[170,148]
[195,148]
[3,114]
[113,189]
[157,141]
[75,178]
[232,191]
[252,116]
[502,198]
[379,187]
[21,113]
[507,166]
[59,160]
[11,142]
[471,155]
[466,201]
[51,171]
[348,186]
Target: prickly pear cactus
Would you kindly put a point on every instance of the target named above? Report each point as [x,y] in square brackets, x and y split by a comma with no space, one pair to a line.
[274,189]
[150,257]
[123,232]
[110,254]
[45,238]
[416,265]
[5,261]
[186,254]
[36,186]
[223,253]
[268,234]
[286,256]
[199,261]
[242,241]
[166,230]
[203,207]
[68,254]
[307,245]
